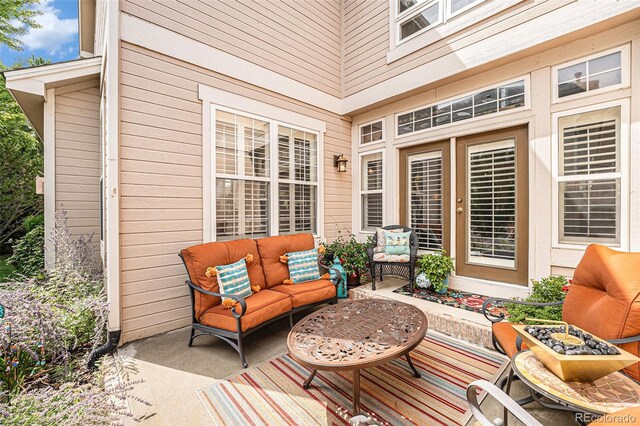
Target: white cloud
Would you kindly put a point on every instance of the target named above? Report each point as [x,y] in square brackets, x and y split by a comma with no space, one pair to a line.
[54,33]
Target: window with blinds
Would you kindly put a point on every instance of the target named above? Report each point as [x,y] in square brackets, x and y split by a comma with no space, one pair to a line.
[491,218]
[589,177]
[245,172]
[425,198]
[371,191]
[298,180]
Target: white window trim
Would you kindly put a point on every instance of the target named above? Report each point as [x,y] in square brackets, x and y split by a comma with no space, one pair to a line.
[447,26]
[623,174]
[624,71]
[526,106]
[214,99]
[372,143]
[361,156]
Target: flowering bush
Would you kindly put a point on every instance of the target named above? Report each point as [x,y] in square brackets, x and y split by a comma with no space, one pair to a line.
[351,252]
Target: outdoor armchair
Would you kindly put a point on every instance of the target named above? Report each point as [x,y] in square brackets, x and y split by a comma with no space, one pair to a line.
[380,268]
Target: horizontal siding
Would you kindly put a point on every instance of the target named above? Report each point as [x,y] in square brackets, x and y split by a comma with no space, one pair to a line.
[161,181]
[298,39]
[77,159]
[366,44]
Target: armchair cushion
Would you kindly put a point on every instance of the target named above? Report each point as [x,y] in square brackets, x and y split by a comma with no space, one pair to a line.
[383,257]
[380,239]
[397,243]
[199,258]
[271,248]
[506,337]
[307,292]
[606,284]
[261,307]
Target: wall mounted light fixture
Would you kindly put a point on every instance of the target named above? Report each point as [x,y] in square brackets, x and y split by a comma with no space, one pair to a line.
[340,162]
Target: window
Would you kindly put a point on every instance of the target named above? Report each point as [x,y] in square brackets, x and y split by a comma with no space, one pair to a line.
[371,191]
[371,132]
[417,16]
[589,75]
[245,174]
[590,177]
[503,98]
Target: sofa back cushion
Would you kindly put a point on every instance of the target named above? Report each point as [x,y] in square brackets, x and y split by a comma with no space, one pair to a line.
[271,248]
[604,297]
[200,257]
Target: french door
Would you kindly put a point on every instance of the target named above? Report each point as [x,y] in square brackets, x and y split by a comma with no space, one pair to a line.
[492,206]
[424,193]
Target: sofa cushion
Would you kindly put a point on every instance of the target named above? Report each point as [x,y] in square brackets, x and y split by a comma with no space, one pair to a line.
[307,292]
[261,307]
[506,337]
[606,284]
[271,248]
[202,256]
[233,279]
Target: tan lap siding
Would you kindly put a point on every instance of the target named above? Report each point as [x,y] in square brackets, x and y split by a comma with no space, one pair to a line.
[161,181]
[298,39]
[78,160]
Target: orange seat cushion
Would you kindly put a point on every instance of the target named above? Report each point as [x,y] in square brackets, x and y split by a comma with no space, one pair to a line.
[200,257]
[506,337]
[271,248]
[606,284]
[627,416]
[307,292]
[261,307]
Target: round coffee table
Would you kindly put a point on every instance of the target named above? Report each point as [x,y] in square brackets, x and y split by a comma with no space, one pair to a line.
[354,335]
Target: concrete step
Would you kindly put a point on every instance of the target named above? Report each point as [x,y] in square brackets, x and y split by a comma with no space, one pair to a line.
[465,325]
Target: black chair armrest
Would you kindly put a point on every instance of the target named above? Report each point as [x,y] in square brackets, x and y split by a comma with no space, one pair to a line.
[498,318]
[370,253]
[631,339]
[330,268]
[239,299]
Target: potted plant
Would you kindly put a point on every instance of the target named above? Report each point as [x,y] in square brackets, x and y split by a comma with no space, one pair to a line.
[352,255]
[437,268]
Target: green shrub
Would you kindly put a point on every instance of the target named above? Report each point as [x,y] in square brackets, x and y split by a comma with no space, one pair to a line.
[28,252]
[549,289]
[437,267]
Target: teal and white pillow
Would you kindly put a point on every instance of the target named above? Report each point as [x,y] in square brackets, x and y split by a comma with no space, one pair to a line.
[234,279]
[397,242]
[303,266]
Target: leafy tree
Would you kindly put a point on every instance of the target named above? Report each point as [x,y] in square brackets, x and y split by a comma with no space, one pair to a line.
[16,17]
[21,160]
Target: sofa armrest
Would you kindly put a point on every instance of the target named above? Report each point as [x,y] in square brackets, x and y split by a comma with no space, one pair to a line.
[498,318]
[622,341]
[239,299]
[329,268]
[504,399]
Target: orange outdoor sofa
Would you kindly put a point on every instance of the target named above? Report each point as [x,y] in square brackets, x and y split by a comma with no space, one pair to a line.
[274,301]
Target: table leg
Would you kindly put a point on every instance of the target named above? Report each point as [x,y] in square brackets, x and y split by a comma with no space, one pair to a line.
[416,373]
[356,392]
[307,382]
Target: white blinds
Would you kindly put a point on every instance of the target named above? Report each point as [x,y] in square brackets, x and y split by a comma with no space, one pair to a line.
[241,208]
[371,191]
[589,177]
[492,205]
[425,198]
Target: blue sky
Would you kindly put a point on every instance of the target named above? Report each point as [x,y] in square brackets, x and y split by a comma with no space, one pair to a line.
[56,40]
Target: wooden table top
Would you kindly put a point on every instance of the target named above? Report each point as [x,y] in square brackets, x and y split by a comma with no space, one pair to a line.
[356,334]
[608,394]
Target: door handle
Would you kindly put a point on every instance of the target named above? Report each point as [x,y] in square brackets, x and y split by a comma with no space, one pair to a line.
[459,210]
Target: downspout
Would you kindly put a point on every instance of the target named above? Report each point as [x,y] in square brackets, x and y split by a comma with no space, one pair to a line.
[112,343]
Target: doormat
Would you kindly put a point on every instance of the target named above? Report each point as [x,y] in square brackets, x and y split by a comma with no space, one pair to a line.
[455,298]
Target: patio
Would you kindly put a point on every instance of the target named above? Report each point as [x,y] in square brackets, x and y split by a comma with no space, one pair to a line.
[164,362]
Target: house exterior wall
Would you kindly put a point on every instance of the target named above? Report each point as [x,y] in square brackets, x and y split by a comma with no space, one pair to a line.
[485,33]
[77,158]
[300,40]
[161,180]
[545,257]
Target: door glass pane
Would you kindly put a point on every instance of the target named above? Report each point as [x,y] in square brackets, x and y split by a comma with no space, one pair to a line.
[491,220]
[425,198]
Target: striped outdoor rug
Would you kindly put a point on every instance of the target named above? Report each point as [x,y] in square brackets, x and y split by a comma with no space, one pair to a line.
[271,393]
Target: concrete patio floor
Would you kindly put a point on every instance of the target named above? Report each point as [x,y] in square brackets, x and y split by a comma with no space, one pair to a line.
[173,372]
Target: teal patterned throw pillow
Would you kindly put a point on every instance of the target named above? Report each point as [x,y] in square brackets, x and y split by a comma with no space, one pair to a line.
[234,279]
[397,242]
[303,266]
